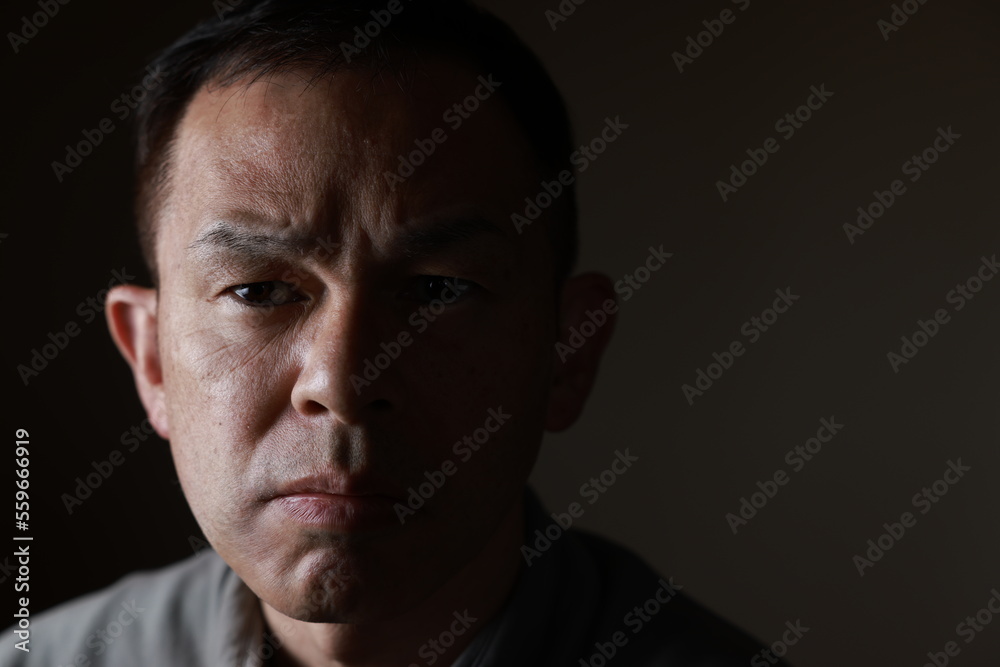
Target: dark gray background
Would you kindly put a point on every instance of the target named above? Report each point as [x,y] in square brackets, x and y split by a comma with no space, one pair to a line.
[655,185]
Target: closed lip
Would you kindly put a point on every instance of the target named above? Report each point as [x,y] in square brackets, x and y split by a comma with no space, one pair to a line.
[331,485]
[337,504]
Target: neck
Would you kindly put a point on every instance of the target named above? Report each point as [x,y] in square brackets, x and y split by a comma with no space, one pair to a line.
[460,609]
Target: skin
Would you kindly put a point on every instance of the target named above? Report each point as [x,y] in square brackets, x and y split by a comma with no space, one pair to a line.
[253,397]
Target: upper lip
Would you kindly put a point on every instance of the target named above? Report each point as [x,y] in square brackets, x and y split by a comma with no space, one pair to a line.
[337,485]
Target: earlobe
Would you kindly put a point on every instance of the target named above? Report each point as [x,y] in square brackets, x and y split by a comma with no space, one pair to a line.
[587,320]
[132,319]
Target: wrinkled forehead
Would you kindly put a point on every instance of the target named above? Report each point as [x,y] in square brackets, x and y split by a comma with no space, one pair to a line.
[352,149]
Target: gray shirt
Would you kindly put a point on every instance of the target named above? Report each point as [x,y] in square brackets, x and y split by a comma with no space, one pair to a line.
[582,601]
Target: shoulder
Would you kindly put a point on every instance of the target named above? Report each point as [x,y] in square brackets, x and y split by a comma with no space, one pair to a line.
[654,621]
[139,620]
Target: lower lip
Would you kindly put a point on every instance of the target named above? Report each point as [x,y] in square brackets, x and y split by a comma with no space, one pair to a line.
[342,514]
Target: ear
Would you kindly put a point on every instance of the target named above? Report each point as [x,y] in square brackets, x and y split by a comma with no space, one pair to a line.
[131,315]
[587,317]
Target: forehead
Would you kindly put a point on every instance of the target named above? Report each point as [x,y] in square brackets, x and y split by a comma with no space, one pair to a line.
[335,153]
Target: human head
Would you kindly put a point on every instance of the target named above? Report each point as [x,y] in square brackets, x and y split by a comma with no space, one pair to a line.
[273,36]
[261,166]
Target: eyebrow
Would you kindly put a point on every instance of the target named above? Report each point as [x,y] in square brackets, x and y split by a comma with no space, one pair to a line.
[431,237]
[236,238]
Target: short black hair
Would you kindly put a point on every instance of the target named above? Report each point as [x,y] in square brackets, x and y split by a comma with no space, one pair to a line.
[262,37]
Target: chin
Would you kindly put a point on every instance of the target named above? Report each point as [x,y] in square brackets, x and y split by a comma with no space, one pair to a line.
[327,585]
[325,601]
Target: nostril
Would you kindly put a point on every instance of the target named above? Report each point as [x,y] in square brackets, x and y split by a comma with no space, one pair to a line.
[314,408]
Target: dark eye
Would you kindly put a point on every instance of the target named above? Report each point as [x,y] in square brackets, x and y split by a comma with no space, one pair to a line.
[426,289]
[269,293]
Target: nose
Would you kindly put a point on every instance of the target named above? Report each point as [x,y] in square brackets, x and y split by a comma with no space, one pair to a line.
[343,370]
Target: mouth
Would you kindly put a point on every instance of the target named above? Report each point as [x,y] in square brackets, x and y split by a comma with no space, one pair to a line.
[335,505]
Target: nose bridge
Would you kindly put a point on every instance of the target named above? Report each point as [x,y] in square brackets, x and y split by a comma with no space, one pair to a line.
[336,370]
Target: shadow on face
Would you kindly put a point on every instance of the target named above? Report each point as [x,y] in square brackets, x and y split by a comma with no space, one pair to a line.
[334,318]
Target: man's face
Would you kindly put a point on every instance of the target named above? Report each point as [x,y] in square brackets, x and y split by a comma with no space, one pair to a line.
[293,273]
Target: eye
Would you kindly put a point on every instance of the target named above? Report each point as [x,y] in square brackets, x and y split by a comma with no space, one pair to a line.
[267,294]
[426,289]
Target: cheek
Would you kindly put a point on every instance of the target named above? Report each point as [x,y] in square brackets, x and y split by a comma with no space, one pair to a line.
[222,388]
[463,370]
[224,372]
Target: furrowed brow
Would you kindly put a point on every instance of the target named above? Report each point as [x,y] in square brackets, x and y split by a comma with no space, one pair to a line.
[237,239]
[433,238]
